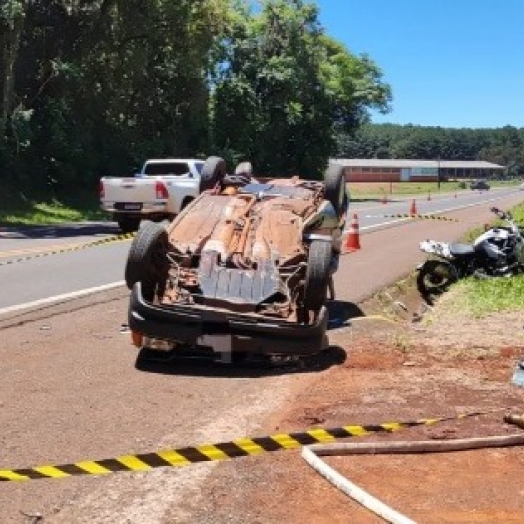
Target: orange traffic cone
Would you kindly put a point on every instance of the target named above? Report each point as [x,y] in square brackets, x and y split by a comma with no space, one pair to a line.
[413,210]
[137,339]
[353,238]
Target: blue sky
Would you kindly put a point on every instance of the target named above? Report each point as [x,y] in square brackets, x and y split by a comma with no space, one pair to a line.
[450,63]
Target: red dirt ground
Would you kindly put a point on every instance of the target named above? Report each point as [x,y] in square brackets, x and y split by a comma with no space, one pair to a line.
[397,371]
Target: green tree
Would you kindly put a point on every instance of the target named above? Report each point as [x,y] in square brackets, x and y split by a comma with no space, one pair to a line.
[12,15]
[101,84]
[283,87]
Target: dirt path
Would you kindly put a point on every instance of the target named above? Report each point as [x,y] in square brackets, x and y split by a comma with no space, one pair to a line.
[394,373]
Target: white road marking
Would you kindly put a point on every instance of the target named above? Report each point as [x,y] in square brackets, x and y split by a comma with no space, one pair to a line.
[60,298]
[437,212]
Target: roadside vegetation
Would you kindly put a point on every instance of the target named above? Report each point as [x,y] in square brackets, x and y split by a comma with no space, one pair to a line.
[374,190]
[503,146]
[482,297]
[17,210]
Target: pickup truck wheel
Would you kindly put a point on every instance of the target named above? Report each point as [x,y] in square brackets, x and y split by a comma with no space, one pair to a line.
[146,258]
[128,224]
[213,173]
[335,182]
[186,202]
[317,275]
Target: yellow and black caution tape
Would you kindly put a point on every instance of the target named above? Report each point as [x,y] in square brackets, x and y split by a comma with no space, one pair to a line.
[423,217]
[67,249]
[213,452]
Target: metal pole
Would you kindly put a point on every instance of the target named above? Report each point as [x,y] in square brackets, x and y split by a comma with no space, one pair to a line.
[438,172]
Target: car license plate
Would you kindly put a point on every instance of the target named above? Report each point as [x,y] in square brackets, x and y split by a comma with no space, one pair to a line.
[129,206]
[220,343]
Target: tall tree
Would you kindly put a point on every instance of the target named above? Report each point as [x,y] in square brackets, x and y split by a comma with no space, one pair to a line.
[101,84]
[12,14]
[283,87]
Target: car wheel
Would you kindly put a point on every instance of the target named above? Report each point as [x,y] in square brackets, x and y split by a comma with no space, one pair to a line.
[435,277]
[128,224]
[213,173]
[245,169]
[335,183]
[186,202]
[146,258]
[317,275]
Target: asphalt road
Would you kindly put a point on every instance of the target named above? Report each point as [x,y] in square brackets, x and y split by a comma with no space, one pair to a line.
[371,215]
[72,388]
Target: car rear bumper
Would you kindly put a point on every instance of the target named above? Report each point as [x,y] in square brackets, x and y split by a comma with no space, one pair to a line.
[225,331]
[129,208]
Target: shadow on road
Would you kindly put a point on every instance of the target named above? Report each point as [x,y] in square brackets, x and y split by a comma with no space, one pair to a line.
[59,230]
[181,362]
[341,312]
[207,367]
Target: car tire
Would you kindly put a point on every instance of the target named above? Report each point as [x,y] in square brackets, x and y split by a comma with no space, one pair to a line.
[128,224]
[317,275]
[186,202]
[335,182]
[213,173]
[244,169]
[146,258]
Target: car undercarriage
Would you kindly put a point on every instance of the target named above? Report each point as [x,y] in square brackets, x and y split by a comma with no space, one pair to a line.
[249,262]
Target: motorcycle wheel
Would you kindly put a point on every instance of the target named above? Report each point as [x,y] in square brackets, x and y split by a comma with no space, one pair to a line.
[435,277]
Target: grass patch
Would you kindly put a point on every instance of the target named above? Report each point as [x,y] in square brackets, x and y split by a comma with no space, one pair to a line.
[482,297]
[364,190]
[16,210]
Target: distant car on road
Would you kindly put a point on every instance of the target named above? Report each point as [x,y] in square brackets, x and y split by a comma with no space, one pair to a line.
[479,184]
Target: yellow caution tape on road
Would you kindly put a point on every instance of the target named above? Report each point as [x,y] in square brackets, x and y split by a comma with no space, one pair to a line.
[422,217]
[213,452]
[67,249]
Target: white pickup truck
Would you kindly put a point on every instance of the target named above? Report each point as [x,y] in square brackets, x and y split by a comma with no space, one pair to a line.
[160,190]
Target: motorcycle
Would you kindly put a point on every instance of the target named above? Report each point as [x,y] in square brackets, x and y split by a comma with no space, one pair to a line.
[499,251]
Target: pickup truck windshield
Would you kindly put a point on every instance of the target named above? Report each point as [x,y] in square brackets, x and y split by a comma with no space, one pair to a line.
[166,168]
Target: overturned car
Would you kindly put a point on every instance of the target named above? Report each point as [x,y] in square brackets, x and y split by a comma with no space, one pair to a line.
[243,270]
